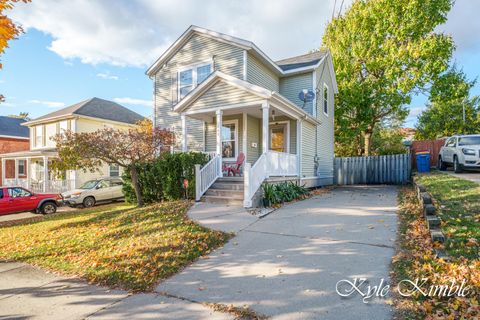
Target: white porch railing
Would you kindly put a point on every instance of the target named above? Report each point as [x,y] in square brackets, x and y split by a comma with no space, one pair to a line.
[206,176]
[271,163]
[55,186]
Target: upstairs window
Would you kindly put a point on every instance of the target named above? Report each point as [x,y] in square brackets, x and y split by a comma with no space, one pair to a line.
[325,99]
[39,136]
[192,76]
[114,170]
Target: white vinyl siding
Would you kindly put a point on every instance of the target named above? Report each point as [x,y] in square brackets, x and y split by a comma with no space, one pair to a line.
[291,86]
[228,59]
[260,75]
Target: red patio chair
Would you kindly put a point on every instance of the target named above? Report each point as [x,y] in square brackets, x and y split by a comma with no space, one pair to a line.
[235,168]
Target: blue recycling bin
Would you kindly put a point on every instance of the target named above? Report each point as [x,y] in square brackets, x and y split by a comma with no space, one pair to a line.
[423,161]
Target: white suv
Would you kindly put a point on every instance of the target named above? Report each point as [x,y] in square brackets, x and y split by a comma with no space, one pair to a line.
[460,152]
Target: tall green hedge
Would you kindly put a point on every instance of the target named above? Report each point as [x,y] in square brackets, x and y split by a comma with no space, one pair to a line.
[163,178]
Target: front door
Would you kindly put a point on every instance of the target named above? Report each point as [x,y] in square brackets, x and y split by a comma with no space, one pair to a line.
[279,137]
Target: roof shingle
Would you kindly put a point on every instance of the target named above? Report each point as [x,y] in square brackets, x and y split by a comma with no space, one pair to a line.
[304,60]
[97,108]
[13,127]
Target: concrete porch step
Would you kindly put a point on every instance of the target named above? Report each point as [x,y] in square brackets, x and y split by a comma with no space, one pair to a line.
[234,194]
[227,186]
[231,179]
[222,200]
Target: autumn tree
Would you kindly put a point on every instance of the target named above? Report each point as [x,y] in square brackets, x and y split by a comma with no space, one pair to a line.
[450,110]
[126,148]
[383,52]
[8,29]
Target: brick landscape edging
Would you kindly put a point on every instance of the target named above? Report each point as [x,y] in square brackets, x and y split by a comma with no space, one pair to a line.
[432,220]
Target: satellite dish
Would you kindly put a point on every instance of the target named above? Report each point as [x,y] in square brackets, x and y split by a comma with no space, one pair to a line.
[306,95]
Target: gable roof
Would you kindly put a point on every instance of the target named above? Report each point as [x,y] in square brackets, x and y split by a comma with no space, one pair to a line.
[305,60]
[95,108]
[12,127]
[262,93]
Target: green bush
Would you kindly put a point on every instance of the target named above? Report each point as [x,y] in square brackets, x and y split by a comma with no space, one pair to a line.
[282,192]
[163,178]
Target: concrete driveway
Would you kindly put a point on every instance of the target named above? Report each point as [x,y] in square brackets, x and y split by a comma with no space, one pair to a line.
[287,264]
[471,175]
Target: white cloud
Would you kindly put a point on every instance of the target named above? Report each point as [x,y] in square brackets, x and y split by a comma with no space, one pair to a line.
[136,32]
[7,104]
[107,76]
[133,101]
[49,104]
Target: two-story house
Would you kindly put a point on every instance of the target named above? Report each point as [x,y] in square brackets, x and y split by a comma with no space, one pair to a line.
[32,166]
[224,96]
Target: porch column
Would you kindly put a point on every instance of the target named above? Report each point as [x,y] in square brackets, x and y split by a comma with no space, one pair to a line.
[45,173]
[219,114]
[265,115]
[3,172]
[184,132]
[299,147]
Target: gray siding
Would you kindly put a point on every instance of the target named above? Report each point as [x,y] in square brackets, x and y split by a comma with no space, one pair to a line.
[253,136]
[222,94]
[228,59]
[325,132]
[260,75]
[308,149]
[291,86]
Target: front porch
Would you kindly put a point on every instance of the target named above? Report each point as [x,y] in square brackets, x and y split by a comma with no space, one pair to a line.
[268,136]
[30,170]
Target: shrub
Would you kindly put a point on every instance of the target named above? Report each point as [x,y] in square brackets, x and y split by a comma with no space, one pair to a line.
[163,178]
[282,192]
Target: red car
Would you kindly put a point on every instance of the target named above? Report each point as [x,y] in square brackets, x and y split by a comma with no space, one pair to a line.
[17,199]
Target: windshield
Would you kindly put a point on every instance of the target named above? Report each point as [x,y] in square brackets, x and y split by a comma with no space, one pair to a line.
[89,184]
[469,141]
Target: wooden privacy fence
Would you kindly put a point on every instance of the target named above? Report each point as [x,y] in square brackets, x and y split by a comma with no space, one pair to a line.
[432,146]
[391,169]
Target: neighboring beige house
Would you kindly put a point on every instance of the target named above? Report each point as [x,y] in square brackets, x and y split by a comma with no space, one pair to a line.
[224,96]
[86,116]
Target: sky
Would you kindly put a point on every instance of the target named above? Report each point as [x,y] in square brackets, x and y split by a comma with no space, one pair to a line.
[73,50]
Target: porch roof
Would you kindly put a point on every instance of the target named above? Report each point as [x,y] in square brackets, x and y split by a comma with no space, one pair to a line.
[262,94]
[30,154]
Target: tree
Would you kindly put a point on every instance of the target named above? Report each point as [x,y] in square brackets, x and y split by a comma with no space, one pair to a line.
[388,140]
[21,115]
[126,148]
[449,98]
[383,52]
[8,29]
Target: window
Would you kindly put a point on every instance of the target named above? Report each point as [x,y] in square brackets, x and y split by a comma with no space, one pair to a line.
[114,170]
[39,136]
[1,193]
[192,76]
[21,167]
[18,192]
[116,183]
[325,99]
[63,126]
[229,139]
[450,142]
[50,132]
[103,184]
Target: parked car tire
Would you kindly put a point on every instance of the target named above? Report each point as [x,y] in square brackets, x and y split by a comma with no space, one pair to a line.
[88,202]
[441,165]
[457,167]
[48,208]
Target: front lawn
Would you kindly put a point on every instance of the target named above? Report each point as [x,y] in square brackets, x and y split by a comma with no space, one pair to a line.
[117,245]
[415,260]
[458,201]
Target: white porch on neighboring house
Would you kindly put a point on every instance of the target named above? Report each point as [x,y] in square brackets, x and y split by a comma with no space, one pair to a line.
[31,171]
